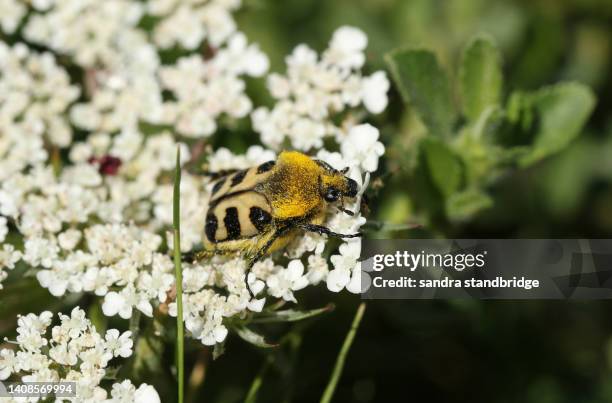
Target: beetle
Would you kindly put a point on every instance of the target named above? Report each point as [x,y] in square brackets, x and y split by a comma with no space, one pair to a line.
[257,211]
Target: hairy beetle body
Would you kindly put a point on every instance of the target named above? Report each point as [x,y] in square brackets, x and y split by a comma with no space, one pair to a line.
[259,210]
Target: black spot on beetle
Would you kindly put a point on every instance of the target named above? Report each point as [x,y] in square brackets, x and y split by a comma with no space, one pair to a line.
[260,218]
[210,228]
[352,188]
[238,177]
[217,186]
[232,224]
[265,167]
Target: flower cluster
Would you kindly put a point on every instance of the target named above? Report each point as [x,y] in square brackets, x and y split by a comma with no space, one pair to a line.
[62,25]
[188,23]
[36,94]
[86,159]
[314,91]
[207,89]
[72,351]
[116,259]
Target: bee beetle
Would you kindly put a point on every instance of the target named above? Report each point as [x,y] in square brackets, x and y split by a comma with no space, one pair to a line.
[257,211]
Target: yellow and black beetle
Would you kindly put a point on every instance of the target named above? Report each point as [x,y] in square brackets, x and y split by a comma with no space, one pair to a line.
[259,210]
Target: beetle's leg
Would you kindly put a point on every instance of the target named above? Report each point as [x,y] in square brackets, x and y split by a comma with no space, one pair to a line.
[345,211]
[319,229]
[261,253]
[196,256]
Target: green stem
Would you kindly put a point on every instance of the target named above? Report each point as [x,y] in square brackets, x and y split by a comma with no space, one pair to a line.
[56,160]
[390,227]
[346,346]
[251,396]
[135,324]
[180,340]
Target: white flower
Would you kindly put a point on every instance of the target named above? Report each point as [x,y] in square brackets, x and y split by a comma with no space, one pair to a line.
[8,363]
[314,91]
[88,30]
[256,305]
[146,394]
[362,148]
[189,23]
[8,258]
[344,265]
[285,281]
[346,47]
[119,345]
[157,283]
[63,354]
[207,89]
[115,303]
[69,239]
[37,92]
[40,251]
[78,349]
[354,285]
[3,229]
[256,286]
[11,13]
[123,302]
[56,285]
[318,269]
[375,88]
[337,279]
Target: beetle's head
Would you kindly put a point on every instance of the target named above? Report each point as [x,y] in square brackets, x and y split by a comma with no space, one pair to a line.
[334,185]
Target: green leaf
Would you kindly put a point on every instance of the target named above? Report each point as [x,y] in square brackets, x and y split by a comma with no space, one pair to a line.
[562,111]
[250,336]
[463,205]
[444,166]
[422,82]
[480,77]
[290,315]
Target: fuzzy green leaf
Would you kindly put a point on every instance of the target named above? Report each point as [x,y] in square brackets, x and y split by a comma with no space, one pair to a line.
[463,205]
[444,166]
[422,82]
[562,110]
[480,77]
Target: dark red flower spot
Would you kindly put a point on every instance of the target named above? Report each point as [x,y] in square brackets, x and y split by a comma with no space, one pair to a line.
[107,164]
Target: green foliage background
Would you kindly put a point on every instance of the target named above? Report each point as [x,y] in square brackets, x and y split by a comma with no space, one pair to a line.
[482,141]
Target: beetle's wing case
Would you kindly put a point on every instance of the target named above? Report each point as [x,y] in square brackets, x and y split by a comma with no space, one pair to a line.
[240,181]
[237,210]
[241,216]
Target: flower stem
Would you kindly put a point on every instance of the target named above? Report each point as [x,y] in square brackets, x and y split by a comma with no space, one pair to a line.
[56,160]
[257,382]
[176,223]
[346,346]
